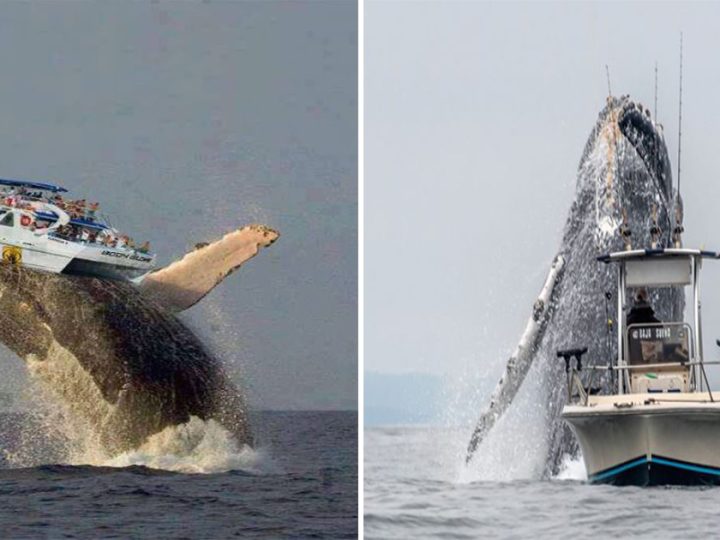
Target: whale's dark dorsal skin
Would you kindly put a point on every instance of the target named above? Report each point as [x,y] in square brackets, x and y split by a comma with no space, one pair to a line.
[624,169]
[118,356]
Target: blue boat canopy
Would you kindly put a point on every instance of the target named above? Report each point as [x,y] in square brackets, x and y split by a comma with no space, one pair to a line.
[88,224]
[52,216]
[33,185]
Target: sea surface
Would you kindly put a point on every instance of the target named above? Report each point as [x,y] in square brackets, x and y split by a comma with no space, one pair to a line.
[300,481]
[416,486]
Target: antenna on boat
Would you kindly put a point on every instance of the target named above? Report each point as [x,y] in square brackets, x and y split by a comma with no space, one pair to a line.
[680,117]
[679,229]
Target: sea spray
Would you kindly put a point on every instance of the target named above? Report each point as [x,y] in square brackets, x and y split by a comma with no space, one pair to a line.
[572,468]
[70,422]
[194,447]
[52,432]
[516,448]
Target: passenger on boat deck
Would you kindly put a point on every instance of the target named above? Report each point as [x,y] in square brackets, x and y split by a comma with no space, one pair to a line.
[91,210]
[642,311]
[72,209]
[145,247]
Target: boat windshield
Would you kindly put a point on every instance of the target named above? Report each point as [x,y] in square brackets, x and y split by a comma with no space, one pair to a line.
[656,343]
[8,220]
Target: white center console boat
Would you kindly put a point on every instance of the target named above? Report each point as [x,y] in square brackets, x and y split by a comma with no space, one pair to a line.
[660,424]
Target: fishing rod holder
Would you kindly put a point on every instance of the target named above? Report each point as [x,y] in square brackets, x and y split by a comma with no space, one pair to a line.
[574,382]
[570,353]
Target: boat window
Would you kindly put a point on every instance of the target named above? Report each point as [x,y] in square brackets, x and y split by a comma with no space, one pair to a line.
[656,343]
[8,220]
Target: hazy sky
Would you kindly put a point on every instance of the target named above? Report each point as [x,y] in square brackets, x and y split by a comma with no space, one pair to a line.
[476,118]
[188,119]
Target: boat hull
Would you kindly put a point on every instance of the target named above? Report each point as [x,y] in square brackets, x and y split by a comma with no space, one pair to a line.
[50,254]
[657,471]
[646,444]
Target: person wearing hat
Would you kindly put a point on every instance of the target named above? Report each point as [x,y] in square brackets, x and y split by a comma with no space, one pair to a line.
[643,351]
[641,311]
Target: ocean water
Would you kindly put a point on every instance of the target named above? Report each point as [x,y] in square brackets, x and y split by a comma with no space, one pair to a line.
[416,486]
[188,482]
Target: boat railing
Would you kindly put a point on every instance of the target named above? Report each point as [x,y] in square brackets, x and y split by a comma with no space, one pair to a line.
[97,244]
[579,392]
[660,365]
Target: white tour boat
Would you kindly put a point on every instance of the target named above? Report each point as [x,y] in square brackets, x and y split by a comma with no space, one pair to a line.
[41,230]
[661,422]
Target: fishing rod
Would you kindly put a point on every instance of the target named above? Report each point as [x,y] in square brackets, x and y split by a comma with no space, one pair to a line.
[678,206]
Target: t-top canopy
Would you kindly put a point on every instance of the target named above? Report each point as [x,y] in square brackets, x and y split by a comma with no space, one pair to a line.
[33,185]
[658,267]
[89,224]
[52,216]
[634,254]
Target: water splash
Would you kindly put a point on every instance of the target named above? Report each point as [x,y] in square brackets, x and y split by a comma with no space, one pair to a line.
[516,448]
[194,447]
[70,422]
[572,468]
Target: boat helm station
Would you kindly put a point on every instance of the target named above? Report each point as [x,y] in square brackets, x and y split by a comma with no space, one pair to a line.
[653,356]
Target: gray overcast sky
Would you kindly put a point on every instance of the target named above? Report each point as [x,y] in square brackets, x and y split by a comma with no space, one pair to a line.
[476,118]
[188,119]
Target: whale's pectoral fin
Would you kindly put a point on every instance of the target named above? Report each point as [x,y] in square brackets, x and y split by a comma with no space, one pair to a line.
[521,360]
[184,283]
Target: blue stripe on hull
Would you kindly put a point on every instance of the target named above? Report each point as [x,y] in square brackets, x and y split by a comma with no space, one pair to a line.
[657,470]
[614,471]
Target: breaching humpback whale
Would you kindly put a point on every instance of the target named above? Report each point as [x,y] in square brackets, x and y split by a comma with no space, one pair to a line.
[115,352]
[624,187]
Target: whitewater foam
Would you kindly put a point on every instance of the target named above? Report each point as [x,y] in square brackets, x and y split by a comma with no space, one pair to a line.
[515,449]
[197,446]
[572,468]
[72,417]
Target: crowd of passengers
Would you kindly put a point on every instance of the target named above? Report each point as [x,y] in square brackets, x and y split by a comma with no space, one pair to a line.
[104,238]
[77,210]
